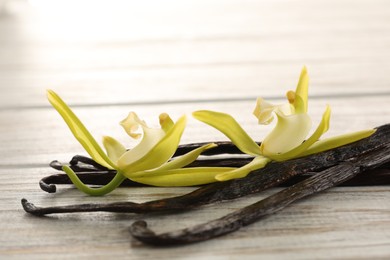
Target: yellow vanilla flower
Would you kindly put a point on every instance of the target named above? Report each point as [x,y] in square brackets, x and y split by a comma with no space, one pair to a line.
[149,162]
[289,138]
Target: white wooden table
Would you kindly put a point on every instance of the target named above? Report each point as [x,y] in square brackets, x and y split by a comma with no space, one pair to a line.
[176,57]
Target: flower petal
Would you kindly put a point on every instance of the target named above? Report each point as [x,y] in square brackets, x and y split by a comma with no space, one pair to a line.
[166,122]
[151,136]
[79,130]
[264,111]
[131,125]
[114,148]
[154,156]
[337,141]
[257,163]
[289,132]
[229,126]
[300,150]
[301,99]
[182,177]
[179,162]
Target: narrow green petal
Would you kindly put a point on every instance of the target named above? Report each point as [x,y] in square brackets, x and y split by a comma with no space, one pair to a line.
[229,126]
[177,163]
[301,101]
[257,163]
[112,185]
[289,132]
[337,141]
[114,148]
[299,151]
[183,177]
[79,130]
[158,154]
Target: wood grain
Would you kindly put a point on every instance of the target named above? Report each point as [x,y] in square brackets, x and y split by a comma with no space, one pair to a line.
[177,57]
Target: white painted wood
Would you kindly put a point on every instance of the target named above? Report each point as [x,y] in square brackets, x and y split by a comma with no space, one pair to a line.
[211,49]
[340,223]
[177,57]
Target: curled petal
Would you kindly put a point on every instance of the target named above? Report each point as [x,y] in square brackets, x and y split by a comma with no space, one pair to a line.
[182,177]
[114,148]
[289,132]
[300,150]
[337,141]
[79,130]
[257,163]
[264,111]
[151,136]
[229,127]
[131,125]
[155,149]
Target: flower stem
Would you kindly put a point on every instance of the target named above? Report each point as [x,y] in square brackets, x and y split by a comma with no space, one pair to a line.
[112,185]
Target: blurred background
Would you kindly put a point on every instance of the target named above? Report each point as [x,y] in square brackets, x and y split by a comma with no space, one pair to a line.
[108,57]
[147,51]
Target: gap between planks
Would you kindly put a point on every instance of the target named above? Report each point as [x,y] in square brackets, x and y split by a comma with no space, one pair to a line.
[199,101]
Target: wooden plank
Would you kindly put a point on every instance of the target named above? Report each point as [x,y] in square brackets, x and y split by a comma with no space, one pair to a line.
[177,57]
[329,225]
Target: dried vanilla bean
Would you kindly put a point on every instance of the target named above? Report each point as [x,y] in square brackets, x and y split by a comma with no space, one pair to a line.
[270,176]
[246,215]
[321,181]
[380,176]
[375,177]
[93,173]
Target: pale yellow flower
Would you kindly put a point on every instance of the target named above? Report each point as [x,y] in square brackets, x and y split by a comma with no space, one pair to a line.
[149,162]
[288,139]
